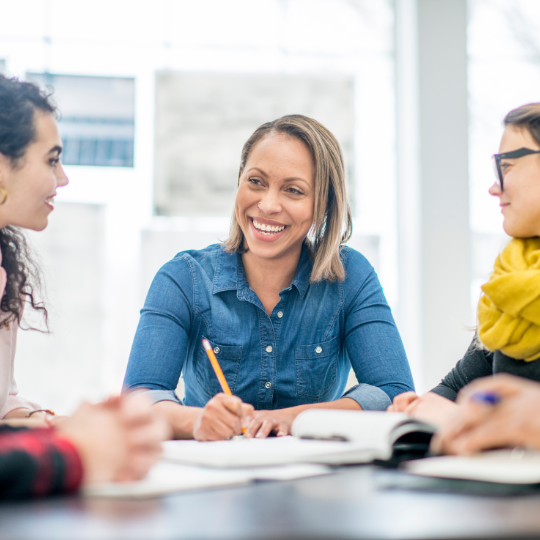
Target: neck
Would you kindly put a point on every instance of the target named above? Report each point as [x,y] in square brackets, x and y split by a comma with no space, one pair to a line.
[4,222]
[270,275]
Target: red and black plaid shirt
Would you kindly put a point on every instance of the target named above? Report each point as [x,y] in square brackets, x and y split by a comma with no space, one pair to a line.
[37,462]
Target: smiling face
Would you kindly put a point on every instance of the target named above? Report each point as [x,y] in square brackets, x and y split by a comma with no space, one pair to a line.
[520,200]
[31,183]
[275,198]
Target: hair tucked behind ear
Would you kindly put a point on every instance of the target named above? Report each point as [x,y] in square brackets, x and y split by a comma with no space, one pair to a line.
[18,103]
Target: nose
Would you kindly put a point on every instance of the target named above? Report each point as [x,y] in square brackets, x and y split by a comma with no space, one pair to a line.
[495,190]
[270,203]
[61,177]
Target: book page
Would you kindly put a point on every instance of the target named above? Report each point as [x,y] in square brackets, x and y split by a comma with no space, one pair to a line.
[371,428]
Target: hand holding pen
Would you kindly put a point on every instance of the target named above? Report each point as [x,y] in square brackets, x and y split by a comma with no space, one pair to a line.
[225,415]
[494,412]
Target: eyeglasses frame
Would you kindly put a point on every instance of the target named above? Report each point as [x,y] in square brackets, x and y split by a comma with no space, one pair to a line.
[509,155]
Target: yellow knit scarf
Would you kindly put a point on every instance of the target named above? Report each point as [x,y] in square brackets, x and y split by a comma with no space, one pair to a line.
[509,309]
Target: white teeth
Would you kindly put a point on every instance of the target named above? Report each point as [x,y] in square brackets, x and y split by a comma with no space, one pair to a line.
[267,229]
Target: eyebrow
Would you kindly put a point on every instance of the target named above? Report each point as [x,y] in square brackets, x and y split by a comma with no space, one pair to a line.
[293,179]
[55,150]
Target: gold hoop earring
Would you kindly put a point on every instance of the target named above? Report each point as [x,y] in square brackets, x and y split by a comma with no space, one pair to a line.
[4,195]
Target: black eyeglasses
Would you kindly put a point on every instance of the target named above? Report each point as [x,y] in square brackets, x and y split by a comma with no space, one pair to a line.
[508,155]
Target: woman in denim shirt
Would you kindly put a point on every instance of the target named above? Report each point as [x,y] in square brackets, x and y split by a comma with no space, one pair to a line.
[287,309]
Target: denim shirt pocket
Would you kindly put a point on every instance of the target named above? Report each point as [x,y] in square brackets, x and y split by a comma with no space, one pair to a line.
[228,356]
[316,367]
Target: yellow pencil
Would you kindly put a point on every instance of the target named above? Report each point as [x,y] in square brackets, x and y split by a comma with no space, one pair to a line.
[217,369]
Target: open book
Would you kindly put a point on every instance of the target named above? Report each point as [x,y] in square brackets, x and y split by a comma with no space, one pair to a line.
[319,436]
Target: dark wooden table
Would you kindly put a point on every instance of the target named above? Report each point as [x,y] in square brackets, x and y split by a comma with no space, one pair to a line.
[354,502]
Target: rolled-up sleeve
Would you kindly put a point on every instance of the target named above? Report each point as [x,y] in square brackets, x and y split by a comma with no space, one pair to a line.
[369,397]
[372,339]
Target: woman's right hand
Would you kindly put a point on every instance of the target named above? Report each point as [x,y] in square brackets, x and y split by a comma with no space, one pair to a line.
[221,418]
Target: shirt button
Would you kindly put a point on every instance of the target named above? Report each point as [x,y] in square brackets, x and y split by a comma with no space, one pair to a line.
[318,350]
[268,385]
[280,314]
[269,348]
[216,350]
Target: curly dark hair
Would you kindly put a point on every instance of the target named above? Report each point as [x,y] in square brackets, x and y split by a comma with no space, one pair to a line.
[18,104]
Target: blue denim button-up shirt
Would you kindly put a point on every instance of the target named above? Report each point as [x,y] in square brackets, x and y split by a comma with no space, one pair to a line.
[301,353]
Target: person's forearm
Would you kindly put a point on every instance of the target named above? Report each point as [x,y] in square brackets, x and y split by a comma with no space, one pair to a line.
[181,418]
[20,412]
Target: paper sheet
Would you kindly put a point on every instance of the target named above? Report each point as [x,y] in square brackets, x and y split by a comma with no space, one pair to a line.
[166,477]
[502,466]
[271,451]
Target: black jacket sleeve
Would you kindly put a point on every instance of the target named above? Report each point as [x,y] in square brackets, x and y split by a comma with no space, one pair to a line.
[476,363]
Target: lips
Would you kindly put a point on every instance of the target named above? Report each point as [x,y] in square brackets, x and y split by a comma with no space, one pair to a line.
[267,228]
[266,231]
[49,201]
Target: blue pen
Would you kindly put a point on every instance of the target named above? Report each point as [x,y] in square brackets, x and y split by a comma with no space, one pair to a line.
[488,398]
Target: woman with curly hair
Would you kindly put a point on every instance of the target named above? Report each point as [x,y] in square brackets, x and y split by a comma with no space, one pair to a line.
[115,440]
[30,173]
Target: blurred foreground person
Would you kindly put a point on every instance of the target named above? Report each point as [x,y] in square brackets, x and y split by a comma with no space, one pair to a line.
[508,334]
[115,440]
[118,440]
[512,421]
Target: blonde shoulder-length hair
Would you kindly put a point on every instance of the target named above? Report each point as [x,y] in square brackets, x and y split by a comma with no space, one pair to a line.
[332,222]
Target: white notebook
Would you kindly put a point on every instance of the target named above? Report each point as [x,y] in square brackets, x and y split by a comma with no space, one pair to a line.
[343,437]
[500,466]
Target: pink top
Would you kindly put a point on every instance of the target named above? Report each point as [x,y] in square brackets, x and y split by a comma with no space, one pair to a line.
[9,398]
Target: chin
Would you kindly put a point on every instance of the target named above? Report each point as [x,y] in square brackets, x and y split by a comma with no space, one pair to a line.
[262,252]
[515,231]
[38,226]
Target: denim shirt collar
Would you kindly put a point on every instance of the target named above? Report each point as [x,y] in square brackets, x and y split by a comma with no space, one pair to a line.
[230,275]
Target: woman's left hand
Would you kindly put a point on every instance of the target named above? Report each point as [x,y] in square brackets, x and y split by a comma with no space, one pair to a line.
[265,422]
